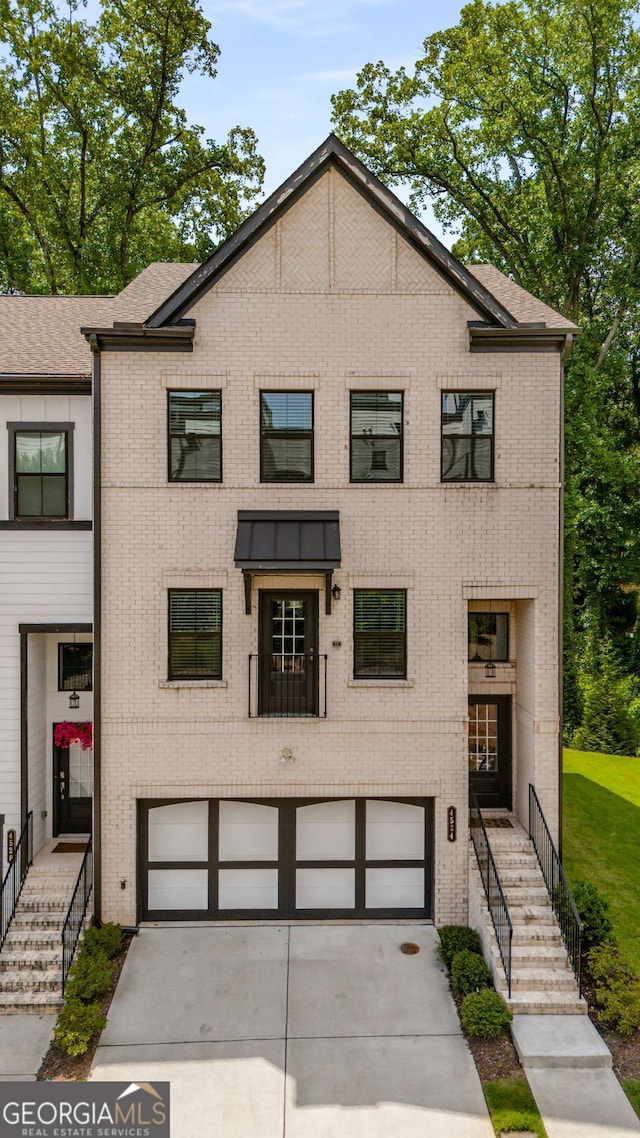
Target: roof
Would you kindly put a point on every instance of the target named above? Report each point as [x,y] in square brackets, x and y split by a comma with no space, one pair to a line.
[525,307]
[288,539]
[40,335]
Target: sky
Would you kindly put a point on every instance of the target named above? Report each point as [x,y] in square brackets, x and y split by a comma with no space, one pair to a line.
[281,60]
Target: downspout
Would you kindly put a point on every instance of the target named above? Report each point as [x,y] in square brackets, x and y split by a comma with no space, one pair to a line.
[561,464]
[97,630]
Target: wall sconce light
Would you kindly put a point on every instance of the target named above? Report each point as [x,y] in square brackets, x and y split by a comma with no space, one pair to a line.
[490,670]
[336,592]
[74,700]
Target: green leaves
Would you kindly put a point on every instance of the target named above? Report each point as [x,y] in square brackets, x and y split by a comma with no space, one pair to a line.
[100,172]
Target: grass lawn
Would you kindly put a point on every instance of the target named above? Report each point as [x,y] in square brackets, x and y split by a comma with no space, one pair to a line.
[632,1087]
[512,1106]
[602,836]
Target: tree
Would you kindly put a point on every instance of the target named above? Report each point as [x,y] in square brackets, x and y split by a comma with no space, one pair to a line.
[100,172]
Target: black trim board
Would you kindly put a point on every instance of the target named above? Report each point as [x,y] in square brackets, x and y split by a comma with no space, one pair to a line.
[45,385]
[33,523]
[331,152]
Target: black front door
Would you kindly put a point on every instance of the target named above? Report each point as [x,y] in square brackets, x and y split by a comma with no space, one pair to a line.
[490,749]
[72,790]
[288,673]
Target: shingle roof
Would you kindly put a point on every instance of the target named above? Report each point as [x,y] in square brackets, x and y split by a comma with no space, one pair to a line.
[522,304]
[40,335]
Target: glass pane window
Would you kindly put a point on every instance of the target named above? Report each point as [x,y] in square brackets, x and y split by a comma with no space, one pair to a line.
[483,737]
[40,475]
[376,436]
[74,667]
[380,633]
[195,442]
[467,436]
[488,636]
[195,634]
[286,436]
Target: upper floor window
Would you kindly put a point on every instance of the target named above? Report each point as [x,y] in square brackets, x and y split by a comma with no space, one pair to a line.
[376,436]
[488,636]
[467,436]
[195,443]
[195,634]
[380,634]
[40,470]
[74,667]
[286,436]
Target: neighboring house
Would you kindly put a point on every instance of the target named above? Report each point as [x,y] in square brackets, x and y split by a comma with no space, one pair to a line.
[327,535]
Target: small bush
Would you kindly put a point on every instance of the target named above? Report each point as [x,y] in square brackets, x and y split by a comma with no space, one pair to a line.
[485,1014]
[90,976]
[617,990]
[469,973]
[76,1026]
[593,910]
[107,939]
[455,938]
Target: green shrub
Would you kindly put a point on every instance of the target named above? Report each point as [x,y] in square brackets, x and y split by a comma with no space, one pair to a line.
[455,938]
[90,976]
[593,910]
[617,990]
[107,939]
[485,1014]
[469,973]
[76,1026]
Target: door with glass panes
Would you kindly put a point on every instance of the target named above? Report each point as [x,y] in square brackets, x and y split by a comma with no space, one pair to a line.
[288,658]
[490,749]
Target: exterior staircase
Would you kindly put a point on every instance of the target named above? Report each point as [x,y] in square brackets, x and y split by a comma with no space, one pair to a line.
[542,979]
[31,956]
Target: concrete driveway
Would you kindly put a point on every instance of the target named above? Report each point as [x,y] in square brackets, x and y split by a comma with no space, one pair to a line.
[322,1031]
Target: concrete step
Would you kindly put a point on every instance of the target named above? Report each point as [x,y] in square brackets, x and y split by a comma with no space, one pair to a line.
[38,902]
[542,955]
[37,920]
[543,980]
[570,1041]
[525,894]
[526,936]
[29,961]
[522,915]
[524,1002]
[37,1003]
[519,875]
[40,980]
[27,939]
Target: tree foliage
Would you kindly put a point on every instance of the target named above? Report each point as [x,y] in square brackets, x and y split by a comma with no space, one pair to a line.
[100,172]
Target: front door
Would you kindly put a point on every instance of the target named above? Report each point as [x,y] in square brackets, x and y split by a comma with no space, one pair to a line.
[288,672]
[72,790]
[490,749]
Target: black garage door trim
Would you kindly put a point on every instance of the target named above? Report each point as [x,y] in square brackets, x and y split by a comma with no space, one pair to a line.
[286,864]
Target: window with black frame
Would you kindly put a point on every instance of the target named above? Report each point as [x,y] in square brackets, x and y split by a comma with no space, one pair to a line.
[380,634]
[40,473]
[376,436]
[195,438]
[488,637]
[74,667]
[467,436]
[286,436]
[195,634]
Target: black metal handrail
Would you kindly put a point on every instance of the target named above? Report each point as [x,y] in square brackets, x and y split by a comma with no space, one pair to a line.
[76,912]
[557,885]
[15,875]
[287,686]
[493,889]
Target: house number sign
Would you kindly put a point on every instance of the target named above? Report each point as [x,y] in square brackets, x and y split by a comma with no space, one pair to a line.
[11,845]
[451,823]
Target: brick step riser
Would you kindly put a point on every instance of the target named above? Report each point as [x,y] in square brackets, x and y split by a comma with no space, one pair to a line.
[34,964]
[534,1009]
[553,984]
[52,986]
[31,942]
[555,965]
[26,906]
[51,1007]
[27,921]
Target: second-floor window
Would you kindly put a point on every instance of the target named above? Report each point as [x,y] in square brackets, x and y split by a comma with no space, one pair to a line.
[376,436]
[467,436]
[286,436]
[74,667]
[195,440]
[195,634]
[40,468]
[380,634]
[488,636]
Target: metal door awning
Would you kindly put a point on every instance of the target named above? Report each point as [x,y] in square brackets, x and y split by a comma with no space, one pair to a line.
[299,541]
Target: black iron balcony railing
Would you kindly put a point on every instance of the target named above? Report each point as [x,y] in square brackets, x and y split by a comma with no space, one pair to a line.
[15,875]
[557,885]
[287,686]
[493,889]
[76,912]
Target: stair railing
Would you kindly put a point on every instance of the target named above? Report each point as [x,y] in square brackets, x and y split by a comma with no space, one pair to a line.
[498,910]
[14,877]
[557,885]
[76,913]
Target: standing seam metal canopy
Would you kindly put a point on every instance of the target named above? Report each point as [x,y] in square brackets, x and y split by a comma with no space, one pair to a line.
[288,539]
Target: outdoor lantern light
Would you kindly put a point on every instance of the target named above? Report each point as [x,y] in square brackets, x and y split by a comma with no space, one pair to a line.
[74,700]
[490,670]
[336,592]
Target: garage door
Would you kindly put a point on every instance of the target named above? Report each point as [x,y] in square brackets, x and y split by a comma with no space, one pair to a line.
[221,859]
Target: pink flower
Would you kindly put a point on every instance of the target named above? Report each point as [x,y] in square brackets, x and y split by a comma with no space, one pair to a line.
[68,734]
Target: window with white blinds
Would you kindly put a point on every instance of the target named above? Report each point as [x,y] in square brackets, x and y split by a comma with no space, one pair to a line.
[376,436]
[195,439]
[286,436]
[195,634]
[380,634]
